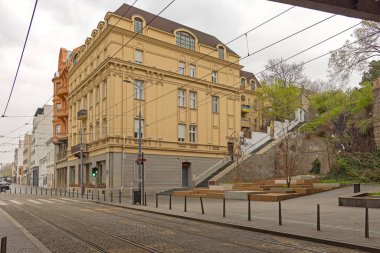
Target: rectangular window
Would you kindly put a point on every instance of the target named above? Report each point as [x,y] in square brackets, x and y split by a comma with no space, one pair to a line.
[192,99]
[84,135]
[91,94]
[181,133]
[214,76]
[57,129]
[84,106]
[139,89]
[97,131]
[59,107]
[192,70]
[215,104]
[90,134]
[136,129]
[181,97]
[105,88]
[138,56]
[97,94]
[193,134]
[104,125]
[221,52]
[181,68]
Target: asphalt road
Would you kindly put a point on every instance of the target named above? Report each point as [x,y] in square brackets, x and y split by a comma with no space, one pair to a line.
[65,224]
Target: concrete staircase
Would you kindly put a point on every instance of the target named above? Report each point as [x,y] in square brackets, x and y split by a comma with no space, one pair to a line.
[204,182]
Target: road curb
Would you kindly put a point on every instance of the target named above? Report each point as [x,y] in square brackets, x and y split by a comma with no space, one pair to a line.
[256,229]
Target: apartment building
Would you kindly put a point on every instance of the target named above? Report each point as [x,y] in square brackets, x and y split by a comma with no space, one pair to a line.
[60,118]
[26,156]
[185,83]
[251,105]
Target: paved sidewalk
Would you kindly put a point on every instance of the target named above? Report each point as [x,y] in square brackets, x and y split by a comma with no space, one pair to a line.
[18,238]
[299,216]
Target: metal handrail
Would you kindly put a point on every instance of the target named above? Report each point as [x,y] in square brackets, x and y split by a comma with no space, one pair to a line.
[211,170]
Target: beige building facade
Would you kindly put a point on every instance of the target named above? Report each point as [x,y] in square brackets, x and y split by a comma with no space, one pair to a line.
[186,84]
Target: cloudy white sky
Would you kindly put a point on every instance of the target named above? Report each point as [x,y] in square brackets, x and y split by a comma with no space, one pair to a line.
[67,23]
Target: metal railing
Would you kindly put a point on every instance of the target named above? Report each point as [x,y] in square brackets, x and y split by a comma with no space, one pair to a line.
[198,179]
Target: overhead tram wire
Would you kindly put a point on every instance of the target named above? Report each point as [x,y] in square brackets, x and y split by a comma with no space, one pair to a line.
[21,57]
[231,63]
[205,55]
[238,83]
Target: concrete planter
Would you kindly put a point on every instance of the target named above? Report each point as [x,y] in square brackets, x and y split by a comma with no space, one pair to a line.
[360,200]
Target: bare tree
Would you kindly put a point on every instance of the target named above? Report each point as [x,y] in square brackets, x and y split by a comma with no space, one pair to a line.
[278,71]
[289,153]
[354,55]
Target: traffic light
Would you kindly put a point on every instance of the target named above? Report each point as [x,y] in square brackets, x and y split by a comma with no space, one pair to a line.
[94,171]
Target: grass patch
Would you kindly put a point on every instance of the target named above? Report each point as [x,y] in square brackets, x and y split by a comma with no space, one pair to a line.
[375,193]
[335,181]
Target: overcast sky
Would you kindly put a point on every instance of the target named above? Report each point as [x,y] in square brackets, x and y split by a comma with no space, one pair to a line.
[68,23]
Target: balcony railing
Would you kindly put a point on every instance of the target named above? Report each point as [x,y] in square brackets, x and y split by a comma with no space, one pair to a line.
[245,108]
[61,91]
[82,114]
[75,150]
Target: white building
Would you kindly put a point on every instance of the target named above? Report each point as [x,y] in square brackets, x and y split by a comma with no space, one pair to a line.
[41,133]
[46,168]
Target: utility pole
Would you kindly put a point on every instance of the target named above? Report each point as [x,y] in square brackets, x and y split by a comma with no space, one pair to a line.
[139,156]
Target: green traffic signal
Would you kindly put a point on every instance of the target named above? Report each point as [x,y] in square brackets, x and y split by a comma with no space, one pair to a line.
[94,172]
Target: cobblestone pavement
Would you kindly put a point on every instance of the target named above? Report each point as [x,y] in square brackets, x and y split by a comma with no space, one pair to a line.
[65,224]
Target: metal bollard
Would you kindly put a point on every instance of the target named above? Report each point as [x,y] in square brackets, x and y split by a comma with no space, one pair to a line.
[156,200]
[185,208]
[20,189]
[279,213]
[60,192]
[224,207]
[104,195]
[51,191]
[249,209]
[65,192]
[366,223]
[31,190]
[119,196]
[92,195]
[144,198]
[111,196]
[55,191]
[36,191]
[77,193]
[45,191]
[203,211]
[318,218]
[3,248]
[86,195]
[69,193]
[98,195]
[73,193]
[170,201]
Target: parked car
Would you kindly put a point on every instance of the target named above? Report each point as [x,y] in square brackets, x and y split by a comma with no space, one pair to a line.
[4,186]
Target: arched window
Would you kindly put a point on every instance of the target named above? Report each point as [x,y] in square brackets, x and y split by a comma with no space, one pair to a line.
[138,25]
[253,85]
[221,52]
[242,82]
[185,40]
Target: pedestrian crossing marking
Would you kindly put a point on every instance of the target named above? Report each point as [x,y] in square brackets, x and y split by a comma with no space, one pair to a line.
[59,201]
[3,204]
[33,201]
[73,200]
[16,202]
[46,201]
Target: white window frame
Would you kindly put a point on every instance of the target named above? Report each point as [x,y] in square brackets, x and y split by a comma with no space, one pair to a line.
[214,76]
[181,97]
[253,85]
[192,134]
[181,133]
[193,99]
[215,104]
[139,90]
[192,70]
[139,56]
[181,68]
[136,129]
[138,20]
[221,52]
[57,129]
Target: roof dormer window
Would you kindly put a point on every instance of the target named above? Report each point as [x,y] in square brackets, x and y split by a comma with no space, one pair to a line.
[185,40]
[138,25]
[253,85]
[221,52]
